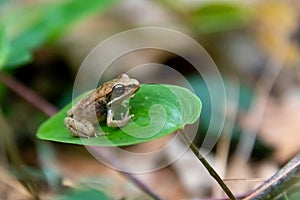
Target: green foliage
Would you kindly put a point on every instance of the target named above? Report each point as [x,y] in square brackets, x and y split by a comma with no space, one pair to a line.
[218,17]
[80,194]
[294,192]
[31,26]
[3,46]
[291,193]
[158,110]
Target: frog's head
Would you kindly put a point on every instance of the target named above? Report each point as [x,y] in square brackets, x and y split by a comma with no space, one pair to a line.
[123,89]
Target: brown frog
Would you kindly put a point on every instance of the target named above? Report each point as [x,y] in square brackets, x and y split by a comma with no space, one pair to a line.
[102,104]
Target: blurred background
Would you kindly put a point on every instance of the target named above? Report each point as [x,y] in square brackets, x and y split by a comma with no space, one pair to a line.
[255,45]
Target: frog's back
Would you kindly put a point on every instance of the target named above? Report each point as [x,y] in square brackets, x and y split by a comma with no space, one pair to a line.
[105,89]
[96,102]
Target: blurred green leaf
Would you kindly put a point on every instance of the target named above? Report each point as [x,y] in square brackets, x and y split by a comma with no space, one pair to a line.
[3,46]
[45,22]
[158,110]
[294,192]
[84,193]
[218,17]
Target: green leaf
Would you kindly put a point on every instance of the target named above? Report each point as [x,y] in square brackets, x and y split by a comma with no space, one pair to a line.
[293,193]
[218,17]
[3,46]
[44,23]
[158,110]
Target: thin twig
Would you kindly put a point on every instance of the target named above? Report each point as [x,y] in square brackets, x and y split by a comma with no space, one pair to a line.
[209,168]
[28,94]
[39,102]
[245,179]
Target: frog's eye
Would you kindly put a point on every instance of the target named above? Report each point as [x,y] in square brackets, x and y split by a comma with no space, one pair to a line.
[118,89]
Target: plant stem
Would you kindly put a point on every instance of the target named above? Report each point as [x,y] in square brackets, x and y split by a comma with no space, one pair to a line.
[209,168]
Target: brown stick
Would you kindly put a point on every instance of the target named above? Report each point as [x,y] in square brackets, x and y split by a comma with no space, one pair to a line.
[277,184]
[28,94]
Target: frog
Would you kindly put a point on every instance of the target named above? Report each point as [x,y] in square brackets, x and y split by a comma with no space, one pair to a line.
[100,105]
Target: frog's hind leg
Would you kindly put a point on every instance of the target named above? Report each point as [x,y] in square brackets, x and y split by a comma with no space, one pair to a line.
[82,128]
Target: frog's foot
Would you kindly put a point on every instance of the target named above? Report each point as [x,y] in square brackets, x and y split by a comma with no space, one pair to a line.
[80,128]
[101,134]
[127,116]
[118,123]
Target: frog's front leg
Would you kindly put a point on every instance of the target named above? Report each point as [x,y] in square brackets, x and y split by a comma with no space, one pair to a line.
[81,128]
[117,123]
